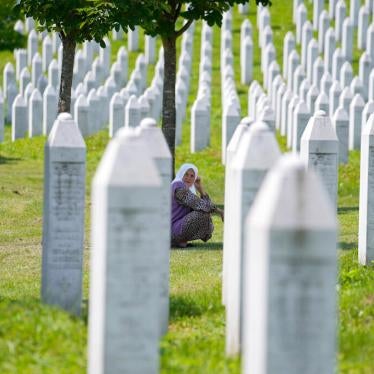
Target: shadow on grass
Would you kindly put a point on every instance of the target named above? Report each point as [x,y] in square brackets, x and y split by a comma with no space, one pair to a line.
[347,209]
[210,246]
[347,246]
[8,160]
[182,306]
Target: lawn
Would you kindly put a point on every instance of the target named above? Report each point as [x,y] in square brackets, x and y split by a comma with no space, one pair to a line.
[36,338]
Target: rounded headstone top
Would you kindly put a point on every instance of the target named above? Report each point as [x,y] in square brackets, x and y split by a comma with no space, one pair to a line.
[313,43]
[289,37]
[33,34]
[65,116]
[358,101]
[25,72]
[341,114]
[9,68]
[148,122]
[369,128]
[347,66]
[49,90]
[246,121]
[320,113]
[365,57]
[19,101]
[259,126]
[127,133]
[81,100]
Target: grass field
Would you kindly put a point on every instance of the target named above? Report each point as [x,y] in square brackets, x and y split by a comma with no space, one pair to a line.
[36,338]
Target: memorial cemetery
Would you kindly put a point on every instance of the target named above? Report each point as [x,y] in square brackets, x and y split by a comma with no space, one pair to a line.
[276,109]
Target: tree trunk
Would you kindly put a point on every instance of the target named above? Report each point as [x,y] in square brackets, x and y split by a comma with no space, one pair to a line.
[68,55]
[168,105]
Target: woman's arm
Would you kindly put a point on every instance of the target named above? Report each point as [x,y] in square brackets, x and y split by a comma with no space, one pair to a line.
[185,197]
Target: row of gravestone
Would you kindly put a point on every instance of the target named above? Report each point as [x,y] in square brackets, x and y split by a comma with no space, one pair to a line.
[130,242]
[201,108]
[260,316]
[182,84]
[36,116]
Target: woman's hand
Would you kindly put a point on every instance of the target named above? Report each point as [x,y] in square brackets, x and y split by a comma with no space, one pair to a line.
[199,186]
[221,213]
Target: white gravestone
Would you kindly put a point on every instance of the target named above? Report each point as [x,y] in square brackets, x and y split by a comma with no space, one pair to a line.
[341,11]
[324,23]
[63,215]
[365,66]
[54,74]
[37,69]
[21,61]
[116,114]
[319,149]
[346,74]
[150,49]
[124,321]
[290,116]
[1,117]
[200,124]
[355,120]
[354,11]
[363,24]
[330,47]
[370,41]
[347,39]
[19,118]
[345,99]
[24,80]
[8,77]
[12,92]
[366,212]
[231,118]
[293,62]
[340,122]
[35,114]
[334,95]
[326,82]
[81,114]
[371,85]
[227,227]
[357,86]
[318,70]
[300,120]
[312,54]
[246,61]
[368,110]
[290,275]
[257,153]
[317,10]
[133,39]
[311,97]
[301,18]
[322,103]
[32,46]
[49,109]
[337,63]
[93,102]
[132,112]
[284,111]
[307,35]
[160,152]
[47,52]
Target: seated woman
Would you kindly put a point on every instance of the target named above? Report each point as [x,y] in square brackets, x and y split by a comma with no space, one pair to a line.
[190,214]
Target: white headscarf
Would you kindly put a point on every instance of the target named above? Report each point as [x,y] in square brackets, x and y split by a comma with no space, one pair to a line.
[180,174]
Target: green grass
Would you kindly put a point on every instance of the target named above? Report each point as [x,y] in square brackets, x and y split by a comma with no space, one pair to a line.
[36,338]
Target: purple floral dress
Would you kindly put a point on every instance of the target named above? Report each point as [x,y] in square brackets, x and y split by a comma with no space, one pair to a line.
[190,215]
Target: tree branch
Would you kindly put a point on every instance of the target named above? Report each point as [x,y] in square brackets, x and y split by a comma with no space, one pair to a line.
[184,28]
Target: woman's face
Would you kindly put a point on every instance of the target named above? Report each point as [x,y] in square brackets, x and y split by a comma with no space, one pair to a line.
[189,177]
